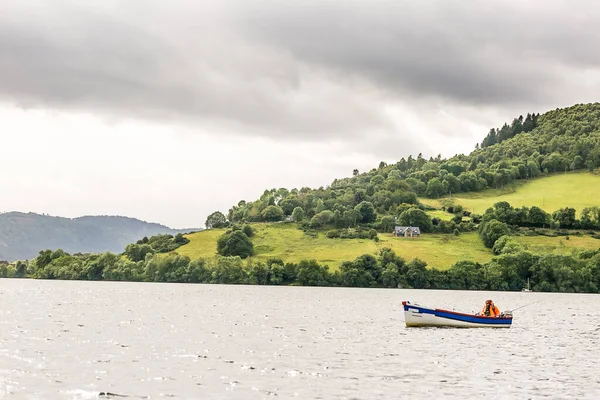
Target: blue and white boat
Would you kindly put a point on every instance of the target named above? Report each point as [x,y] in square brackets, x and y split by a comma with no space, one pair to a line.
[419,316]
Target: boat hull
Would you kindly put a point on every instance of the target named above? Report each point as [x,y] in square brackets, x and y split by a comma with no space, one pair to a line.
[418,316]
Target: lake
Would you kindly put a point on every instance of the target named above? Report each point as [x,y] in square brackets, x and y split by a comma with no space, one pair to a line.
[74,340]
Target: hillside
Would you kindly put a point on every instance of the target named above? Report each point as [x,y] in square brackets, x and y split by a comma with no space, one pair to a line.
[549,161]
[287,242]
[559,141]
[440,251]
[23,235]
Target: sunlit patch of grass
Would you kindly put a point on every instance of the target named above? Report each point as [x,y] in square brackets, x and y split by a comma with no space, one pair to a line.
[439,251]
[558,245]
[202,244]
[550,193]
[443,215]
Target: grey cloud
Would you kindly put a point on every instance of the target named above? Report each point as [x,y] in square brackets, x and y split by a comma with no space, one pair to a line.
[314,70]
[473,52]
[191,71]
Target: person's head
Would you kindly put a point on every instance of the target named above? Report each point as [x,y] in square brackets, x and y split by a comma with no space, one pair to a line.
[489,302]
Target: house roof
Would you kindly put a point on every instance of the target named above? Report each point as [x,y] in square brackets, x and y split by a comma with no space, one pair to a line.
[413,229]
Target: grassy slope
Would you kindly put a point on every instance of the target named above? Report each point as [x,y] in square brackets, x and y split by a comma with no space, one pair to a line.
[283,241]
[437,250]
[202,244]
[577,190]
[442,215]
[287,242]
[557,245]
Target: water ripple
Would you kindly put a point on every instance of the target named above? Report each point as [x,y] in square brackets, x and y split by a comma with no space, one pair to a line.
[120,340]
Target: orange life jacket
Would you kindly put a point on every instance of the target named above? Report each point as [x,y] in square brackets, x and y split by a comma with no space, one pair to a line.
[490,311]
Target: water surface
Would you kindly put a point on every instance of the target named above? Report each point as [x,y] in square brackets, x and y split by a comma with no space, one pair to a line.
[75,340]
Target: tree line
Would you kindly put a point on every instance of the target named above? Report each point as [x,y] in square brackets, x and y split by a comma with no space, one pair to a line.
[153,260]
[519,125]
[508,270]
[563,218]
[502,218]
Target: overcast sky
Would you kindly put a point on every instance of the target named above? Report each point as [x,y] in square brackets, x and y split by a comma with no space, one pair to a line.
[169,110]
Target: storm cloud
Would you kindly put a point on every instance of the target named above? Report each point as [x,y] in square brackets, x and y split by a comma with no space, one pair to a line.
[310,70]
[490,53]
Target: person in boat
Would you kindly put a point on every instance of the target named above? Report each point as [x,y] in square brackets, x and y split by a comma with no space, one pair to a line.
[490,309]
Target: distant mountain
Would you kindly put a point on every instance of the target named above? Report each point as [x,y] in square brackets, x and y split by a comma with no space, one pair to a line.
[23,235]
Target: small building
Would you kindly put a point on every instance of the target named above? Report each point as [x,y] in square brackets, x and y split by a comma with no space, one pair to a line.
[407,231]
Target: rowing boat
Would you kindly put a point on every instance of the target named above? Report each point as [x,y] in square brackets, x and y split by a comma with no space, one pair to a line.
[419,316]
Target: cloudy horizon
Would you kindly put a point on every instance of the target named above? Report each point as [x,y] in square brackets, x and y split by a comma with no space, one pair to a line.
[167,111]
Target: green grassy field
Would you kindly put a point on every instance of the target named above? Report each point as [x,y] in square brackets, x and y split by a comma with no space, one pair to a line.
[289,243]
[442,215]
[440,251]
[202,244]
[577,190]
[283,241]
[557,245]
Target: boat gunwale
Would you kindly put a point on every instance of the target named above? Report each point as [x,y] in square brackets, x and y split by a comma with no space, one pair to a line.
[470,315]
